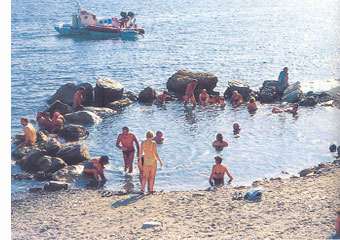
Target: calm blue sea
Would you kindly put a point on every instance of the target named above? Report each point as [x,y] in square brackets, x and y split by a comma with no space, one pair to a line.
[248,40]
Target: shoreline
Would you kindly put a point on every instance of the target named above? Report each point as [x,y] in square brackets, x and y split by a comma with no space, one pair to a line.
[290,208]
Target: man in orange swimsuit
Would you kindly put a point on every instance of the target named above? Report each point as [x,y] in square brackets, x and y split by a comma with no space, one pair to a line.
[127,139]
[30,133]
[218,172]
[189,93]
[95,167]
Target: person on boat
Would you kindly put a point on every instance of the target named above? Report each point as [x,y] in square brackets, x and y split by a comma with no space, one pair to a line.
[58,122]
[159,137]
[30,133]
[204,97]
[217,100]
[124,20]
[162,97]
[236,99]
[126,140]
[292,110]
[283,80]
[132,20]
[252,104]
[149,148]
[77,99]
[236,128]
[219,143]
[95,167]
[217,174]
[189,93]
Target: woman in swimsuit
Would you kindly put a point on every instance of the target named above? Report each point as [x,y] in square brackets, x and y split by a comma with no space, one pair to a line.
[219,144]
[149,147]
[218,172]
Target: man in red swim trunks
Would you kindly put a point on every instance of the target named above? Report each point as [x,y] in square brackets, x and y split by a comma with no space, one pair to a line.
[127,139]
[189,93]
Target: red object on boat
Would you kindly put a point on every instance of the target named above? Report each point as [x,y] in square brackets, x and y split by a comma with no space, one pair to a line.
[83,11]
[106,29]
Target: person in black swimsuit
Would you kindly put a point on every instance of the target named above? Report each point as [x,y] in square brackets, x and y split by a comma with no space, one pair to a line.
[218,172]
[127,139]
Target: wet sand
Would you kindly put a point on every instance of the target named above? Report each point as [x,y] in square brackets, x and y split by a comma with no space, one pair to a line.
[292,208]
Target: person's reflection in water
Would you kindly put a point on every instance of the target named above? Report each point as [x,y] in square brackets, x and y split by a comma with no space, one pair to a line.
[128,185]
[190,117]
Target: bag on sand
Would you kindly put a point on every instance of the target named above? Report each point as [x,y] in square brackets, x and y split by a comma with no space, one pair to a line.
[254,193]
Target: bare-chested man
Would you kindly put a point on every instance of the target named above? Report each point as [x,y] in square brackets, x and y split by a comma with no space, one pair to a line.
[77,99]
[30,133]
[189,93]
[127,139]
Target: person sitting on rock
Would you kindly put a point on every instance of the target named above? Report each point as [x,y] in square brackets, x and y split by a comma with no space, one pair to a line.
[236,99]
[44,121]
[30,133]
[189,93]
[159,137]
[292,110]
[76,106]
[217,173]
[163,97]
[95,167]
[204,97]
[252,104]
[58,122]
[219,144]
[236,128]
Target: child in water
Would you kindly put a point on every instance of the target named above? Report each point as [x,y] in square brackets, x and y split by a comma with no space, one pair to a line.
[159,137]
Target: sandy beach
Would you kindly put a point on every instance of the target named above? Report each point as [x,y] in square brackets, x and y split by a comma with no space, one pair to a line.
[292,208]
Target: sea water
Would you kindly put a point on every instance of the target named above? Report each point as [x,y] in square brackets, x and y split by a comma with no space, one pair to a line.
[247,41]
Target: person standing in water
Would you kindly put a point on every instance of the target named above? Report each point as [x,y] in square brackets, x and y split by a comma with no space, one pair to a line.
[126,140]
[30,133]
[189,93]
[217,173]
[149,166]
[204,97]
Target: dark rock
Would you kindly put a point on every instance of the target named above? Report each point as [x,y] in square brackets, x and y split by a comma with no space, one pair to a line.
[82,117]
[178,82]
[53,186]
[66,93]
[42,136]
[242,89]
[74,154]
[279,88]
[332,148]
[48,164]
[338,150]
[28,162]
[35,190]
[17,139]
[42,176]
[305,172]
[68,174]
[58,106]
[74,133]
[107,91]
[267,94]
[308,102]
[293,93]
[21,152]
[131,95]
[119,104]
[321,96]
[148,95]
[50,147]
[21,176]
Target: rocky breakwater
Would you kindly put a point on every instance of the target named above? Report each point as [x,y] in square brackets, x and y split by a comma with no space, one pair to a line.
[178,82]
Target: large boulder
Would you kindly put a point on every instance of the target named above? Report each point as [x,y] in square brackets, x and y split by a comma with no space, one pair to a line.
[50,147]
[242,89]
[82,117]
[42,136]
[279,88]
[101,111]
[66,93]
[321,97]
[106,91]
[74,154]
[308,102]
[130,95]
[74,133]
[178,82]
[68,174]
[28,162]
[293,93]
[58,106]
[148,95]
[267,94]
[49,164]
[119,104]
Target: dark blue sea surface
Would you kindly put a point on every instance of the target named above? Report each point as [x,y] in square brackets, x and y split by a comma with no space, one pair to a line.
[248,41]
